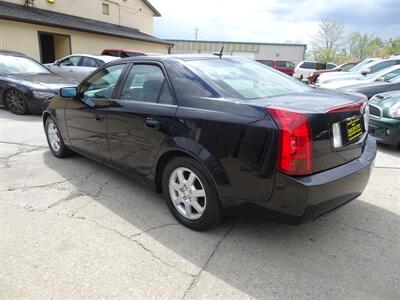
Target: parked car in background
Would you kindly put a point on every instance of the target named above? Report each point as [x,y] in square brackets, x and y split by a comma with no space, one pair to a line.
[284,66]
[306,67]
[78,66]
[25,85]
[385,118]
[272,141]
[376,87]
[341,68]
[358,72]
[381,76]
[122,53]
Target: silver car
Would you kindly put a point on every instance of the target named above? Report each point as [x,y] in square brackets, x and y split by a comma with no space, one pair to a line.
[78,66]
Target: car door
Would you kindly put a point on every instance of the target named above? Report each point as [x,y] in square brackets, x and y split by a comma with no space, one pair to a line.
[142,118]
[86,116]
[67,66]
[86,66]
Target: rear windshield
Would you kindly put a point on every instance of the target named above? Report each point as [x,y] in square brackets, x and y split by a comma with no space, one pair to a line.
[246,79]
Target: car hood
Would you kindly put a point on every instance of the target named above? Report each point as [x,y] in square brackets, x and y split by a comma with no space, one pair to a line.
[331,76]
[363,85]
[43,81]
[338,84]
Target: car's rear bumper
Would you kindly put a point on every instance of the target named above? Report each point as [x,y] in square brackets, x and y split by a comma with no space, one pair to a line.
[322,192]
[385,130]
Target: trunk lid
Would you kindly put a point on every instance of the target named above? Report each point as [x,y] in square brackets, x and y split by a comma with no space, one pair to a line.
[336,121]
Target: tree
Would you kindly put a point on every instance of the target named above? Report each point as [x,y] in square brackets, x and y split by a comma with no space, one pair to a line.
[362,46]
[327,43]
[391,48]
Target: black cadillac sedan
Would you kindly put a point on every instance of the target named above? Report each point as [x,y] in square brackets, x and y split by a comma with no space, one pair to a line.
[213,132]
[25,85]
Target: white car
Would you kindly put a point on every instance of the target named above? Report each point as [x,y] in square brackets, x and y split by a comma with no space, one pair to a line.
[78,66]
[306,67]
[358,72]
[382,75]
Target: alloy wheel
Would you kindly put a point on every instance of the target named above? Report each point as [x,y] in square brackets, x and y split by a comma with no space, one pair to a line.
[187,193]
[15,102]
[54,137]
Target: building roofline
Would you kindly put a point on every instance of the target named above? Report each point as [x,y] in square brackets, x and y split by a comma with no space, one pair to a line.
[19,13]
[236,42]
[155,11]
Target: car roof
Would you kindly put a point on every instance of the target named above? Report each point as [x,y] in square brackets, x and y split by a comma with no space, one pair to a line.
[12,53]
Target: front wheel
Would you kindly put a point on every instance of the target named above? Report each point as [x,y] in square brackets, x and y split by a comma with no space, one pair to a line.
[15,102]
[55,140]
[190,194]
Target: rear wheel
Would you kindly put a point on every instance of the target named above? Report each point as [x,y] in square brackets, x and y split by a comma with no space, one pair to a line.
[190,194]
[55,140]
[15,102]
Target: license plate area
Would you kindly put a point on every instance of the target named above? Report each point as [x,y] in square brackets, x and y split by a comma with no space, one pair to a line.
[347,131]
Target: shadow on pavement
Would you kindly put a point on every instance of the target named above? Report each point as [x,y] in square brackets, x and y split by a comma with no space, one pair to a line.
[352,252]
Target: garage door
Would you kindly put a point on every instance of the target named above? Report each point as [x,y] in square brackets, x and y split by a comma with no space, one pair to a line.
[250,55]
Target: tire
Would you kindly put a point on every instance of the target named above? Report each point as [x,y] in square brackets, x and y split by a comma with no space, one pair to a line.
[180,194]
[55,140]
[15,101]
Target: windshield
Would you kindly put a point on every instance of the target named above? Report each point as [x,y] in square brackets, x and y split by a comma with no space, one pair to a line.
[246,79]
[20,65]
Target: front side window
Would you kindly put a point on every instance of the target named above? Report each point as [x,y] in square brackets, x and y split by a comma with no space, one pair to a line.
[147,83]
[245,79]
[382,65]
[19,65]
[70,61]
[101,85]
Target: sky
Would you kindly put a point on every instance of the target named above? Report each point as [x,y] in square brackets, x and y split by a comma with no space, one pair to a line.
[272,20]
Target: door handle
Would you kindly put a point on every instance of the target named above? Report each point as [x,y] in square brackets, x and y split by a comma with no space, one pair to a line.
[150,123]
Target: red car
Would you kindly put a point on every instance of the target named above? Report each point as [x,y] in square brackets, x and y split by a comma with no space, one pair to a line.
[343,67]
[284,66]
[126,53]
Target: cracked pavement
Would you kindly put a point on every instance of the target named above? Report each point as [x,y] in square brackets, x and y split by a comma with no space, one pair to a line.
[75,229]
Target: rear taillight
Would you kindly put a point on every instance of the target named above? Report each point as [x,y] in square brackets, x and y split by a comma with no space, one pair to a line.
[295,141]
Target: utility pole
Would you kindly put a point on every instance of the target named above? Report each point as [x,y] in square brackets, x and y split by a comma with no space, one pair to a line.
[196,33]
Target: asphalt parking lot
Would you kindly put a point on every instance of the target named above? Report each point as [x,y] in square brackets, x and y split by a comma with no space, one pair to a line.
[73,229]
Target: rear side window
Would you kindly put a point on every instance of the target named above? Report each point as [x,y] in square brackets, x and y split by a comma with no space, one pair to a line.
[111,53]
[347,67]
[308,65]
[147,83]
[281,64]
[289,64]
[269,63]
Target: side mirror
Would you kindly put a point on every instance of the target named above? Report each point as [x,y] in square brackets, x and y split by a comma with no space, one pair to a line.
[380,79]
[69,92]
[366,72]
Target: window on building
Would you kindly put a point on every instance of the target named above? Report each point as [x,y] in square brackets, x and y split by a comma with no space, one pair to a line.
[106,9]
